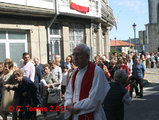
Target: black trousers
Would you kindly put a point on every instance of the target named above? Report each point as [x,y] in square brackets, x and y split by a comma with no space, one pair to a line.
[140,83]
[134,85]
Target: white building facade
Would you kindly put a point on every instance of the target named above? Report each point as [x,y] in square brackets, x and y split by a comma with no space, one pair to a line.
[51,27]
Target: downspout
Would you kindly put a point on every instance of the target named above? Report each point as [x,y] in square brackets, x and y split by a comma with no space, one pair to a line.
[48,28]
[91,41]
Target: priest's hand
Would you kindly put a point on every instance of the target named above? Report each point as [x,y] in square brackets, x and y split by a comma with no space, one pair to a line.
[6,86]
[71,108]
[48,85]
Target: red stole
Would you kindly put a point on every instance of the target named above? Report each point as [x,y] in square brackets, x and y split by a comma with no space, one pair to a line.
[85,87]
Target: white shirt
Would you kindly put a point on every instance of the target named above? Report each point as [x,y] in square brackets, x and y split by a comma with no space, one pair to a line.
[57,75]
[129,64]
[28,70]
[64,78]
[93,103]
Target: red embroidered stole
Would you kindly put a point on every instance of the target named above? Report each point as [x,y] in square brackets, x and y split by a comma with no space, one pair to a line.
[85,87]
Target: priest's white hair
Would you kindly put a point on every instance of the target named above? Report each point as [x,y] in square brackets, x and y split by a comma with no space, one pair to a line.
[84,48]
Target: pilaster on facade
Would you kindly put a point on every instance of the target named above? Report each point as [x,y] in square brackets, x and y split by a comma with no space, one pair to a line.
[87,35]
[106,43]
[42,44]
[38,43]
[65,39]
[99,39]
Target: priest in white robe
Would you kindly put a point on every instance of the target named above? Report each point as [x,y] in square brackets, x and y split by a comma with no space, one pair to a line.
[87,88]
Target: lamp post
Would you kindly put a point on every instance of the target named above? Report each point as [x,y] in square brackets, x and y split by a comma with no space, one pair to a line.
[115,44]
[134,27]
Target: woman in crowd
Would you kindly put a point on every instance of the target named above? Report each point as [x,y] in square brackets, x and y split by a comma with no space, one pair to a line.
[152,59]
[1,78]
[143,60]
[48,83]
[147,60]
[69,74]
[97,60]
[123,66]
[8,85]
[112,69]
[57,75]
[27,92]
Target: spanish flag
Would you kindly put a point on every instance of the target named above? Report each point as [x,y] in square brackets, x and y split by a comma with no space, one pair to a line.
[80,5]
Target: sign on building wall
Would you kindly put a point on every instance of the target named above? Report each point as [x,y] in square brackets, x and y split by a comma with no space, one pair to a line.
[80,5]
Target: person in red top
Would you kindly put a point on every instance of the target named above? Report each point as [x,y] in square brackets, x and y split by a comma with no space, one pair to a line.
[123,66]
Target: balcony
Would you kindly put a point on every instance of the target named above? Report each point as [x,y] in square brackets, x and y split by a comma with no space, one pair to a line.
[94,9]
[43,8]
[106,13]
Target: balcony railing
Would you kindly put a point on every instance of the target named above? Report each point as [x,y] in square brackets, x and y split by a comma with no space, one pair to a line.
[106,12]
[47,4]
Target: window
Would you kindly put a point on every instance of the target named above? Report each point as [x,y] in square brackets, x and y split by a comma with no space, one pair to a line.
[76,35]
[55,47]
[16,35]
[2,35]
[55,29]
[55,40]
[12,45]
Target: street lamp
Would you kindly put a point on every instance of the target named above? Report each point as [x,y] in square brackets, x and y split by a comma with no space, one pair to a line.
[134,27]
[115,44]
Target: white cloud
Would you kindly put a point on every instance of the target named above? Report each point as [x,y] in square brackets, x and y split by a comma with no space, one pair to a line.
[137,5]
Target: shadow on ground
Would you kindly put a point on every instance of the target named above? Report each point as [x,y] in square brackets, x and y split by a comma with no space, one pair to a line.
[146,108]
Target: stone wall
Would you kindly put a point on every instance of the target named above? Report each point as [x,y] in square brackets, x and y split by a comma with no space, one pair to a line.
[153,37]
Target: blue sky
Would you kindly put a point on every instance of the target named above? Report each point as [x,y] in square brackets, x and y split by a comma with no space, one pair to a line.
[128,12]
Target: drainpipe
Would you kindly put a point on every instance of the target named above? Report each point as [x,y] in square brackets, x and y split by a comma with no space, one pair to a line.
[48,28]
[91,40]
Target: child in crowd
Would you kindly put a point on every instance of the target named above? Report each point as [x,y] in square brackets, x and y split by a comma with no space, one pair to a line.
[64,80]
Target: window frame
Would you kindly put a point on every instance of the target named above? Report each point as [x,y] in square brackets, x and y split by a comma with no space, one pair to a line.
[8,41]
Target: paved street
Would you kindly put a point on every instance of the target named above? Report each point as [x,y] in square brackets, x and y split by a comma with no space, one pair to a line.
[146,108]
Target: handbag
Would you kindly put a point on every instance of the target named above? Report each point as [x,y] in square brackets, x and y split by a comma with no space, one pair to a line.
[52,98]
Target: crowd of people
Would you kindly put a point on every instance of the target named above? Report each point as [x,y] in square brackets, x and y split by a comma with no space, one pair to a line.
[91,90]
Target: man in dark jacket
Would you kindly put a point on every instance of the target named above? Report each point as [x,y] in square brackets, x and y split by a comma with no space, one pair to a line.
[116,97]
